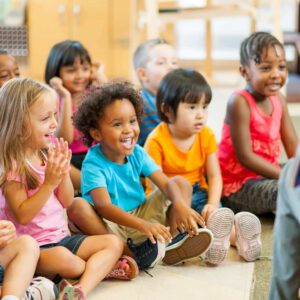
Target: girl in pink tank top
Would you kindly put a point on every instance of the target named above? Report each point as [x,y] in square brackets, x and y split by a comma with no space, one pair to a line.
[256,124]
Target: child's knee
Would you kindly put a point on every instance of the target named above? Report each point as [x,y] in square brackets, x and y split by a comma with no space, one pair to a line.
[28,245]
[115,243]
[183,184]
[78,206]
[69,262]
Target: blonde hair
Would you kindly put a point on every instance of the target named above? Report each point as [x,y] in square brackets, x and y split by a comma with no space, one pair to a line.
[16,98]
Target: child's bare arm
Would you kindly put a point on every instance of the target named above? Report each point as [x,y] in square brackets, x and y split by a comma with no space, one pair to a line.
[7,232]
[215,184]
[65,126]
[287,131]
[25,208]
[238,118]
[185,217]
[111,212]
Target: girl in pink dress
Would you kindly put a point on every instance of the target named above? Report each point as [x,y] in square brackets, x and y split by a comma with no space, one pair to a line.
[256,124]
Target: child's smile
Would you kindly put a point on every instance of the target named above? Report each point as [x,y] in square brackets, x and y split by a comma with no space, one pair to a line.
[118,130]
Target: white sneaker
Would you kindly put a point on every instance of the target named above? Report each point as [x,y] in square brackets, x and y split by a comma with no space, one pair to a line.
[220,223]
[247,234]
[41,288]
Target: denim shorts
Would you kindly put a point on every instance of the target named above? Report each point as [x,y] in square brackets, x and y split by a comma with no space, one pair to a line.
[72,243]
[1,274]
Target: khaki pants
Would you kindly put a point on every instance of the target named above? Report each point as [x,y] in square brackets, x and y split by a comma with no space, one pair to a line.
[154,209]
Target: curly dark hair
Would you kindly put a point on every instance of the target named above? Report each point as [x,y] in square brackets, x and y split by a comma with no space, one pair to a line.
[91,110]
[254,45]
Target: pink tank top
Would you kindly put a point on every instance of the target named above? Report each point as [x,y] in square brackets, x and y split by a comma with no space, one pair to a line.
[265,138]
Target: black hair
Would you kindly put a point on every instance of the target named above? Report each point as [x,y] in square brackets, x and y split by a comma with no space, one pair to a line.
[64,54]
[181,85]
[253,46]
[91,110]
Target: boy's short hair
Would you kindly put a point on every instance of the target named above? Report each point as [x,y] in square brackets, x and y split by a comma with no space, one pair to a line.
[141,54]
[253,46]
[91,110]
[181,85]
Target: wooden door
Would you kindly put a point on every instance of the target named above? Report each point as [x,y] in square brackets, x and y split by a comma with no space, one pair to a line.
[90,25]
[48,23]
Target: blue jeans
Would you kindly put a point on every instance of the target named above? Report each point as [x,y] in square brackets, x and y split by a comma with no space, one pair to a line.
[199,197]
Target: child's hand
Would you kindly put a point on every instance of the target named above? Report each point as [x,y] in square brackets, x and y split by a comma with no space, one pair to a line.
[58,163]
[98,76]
[187,219]
[156,231]
[7,232]
[57,84]
[207,210]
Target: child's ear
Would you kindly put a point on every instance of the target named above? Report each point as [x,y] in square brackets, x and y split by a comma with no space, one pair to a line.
[141,74]
[244,71]
[95,134]
[167,112]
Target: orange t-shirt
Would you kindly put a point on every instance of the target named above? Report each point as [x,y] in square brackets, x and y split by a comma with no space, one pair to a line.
[173,161]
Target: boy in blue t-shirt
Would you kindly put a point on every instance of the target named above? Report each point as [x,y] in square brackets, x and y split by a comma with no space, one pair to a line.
[111,184]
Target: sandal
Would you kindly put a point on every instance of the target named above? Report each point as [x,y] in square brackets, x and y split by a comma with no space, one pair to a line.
[68,291]
[126,269]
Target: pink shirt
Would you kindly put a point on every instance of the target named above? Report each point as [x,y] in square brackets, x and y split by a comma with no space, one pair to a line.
[265,138]
[77,145]
[49,225]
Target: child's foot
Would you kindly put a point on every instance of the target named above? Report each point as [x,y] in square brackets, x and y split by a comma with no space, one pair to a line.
[41,288]
[184,247]
[220,222]
[147,255]
[67,291]
[126,269]
[247,233]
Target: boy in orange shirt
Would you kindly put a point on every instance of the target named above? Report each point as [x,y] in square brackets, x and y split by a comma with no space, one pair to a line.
[183,145]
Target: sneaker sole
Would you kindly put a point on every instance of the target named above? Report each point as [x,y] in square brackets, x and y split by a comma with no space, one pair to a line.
[248,228]
[190,247]
[161,251]
[220,223]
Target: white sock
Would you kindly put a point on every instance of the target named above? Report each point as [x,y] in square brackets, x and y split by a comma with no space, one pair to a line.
[10,297]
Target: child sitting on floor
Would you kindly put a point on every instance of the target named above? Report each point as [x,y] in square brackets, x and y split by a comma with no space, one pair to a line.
[111,184]
[183,145]
[36,187]
[256,125]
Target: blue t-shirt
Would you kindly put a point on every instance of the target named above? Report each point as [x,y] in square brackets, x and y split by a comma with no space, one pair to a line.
[150,119]
[121,181]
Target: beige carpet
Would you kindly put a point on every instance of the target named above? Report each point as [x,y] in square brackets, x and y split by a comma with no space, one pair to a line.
[263,267]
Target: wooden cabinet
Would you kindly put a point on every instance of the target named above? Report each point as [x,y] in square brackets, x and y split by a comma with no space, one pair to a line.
[52,21]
